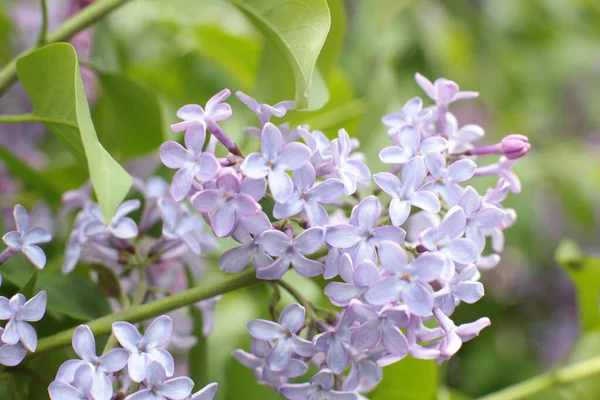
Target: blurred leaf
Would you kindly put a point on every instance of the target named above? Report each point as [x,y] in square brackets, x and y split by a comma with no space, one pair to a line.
[75,297]
[31,177]
[446,393]
[332,48]
[51,77]
[129,118]
[243,384]
[29,289]
[105,52]
[584,271]
[298,29]
[238,55]
[408,379]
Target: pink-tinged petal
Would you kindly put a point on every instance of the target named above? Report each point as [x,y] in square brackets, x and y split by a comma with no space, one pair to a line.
[399,211]
[309,241]
[292,207]
[159,332]
[306,267]
[445,90]
[292,317]
[461,170]
[384,292]
[27,334]
[328,191]
[194,138]
[276,270]
[206,200]
[63,391]
[340,294]
[182,183]
[12,355]
[343,236]
[236,259]
[244,205]
[271,141]
[84,343]
[426,201]
[36,235]
[21,218]
[206,167]
[35,254]
[426,85]
[254,187]
[191,112]
[113,360]
[274,242]
[292,156]
[255,166]
[174,155]
[454,223]
[394,155]
[389,183]
[395,342]
[223,221]
[176,389]
[13,240]
[281,185]
[436,164]
[127,335]
[462,251]
[296,391]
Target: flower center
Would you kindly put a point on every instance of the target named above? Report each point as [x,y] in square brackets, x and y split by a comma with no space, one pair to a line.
[406,276]
[437,245]
[228,196]
[270,164]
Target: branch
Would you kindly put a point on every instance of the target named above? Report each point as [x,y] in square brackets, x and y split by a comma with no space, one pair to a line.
[44,28]
[568,374]
[146,311]
[87,17]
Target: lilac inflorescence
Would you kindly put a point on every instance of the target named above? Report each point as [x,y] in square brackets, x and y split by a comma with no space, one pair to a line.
[407,254]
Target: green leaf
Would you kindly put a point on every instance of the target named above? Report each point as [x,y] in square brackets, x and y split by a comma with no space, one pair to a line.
[584,271]
[29,289]
[75,297]
[128,117]
[408,379]
[298,29]
[51,77]
[32,178]
[332,48]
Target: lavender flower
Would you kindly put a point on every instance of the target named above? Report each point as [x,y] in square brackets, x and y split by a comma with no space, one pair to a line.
[145,349]
[479,217]
[349,170]
[79,389]
[412,113]
[84,345]
[358,280]
[190,162]
[227,203]
[406,193]
[274,159]
[207,393]
[320,387]
[18,311]
[411,145]
[285,333]
[361,236]
[11,354]
[159,388]
[263,111]
[446,178]
[180,224]
[120,225]
[291,252]
[308,197]
[25,239]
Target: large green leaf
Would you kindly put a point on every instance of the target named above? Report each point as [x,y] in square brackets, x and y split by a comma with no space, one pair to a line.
[128,117]
[51,77]
[298,29]
[408,379]
[584,271]
[332,48]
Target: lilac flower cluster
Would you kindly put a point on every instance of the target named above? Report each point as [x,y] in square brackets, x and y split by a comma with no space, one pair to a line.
[403,259]
[19,336]
[139,370]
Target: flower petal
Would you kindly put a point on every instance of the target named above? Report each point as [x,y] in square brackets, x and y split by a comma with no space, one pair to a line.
[309,241]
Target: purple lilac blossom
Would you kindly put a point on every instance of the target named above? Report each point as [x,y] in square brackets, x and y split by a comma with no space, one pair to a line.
[412,113]
[158,387]
[264,112]
[25,239]
[18,311]
[350,170]
[411,145]
[447,178]
[320,387]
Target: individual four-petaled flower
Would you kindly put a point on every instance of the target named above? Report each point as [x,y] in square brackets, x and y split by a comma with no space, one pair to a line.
[26,239]
[18,311]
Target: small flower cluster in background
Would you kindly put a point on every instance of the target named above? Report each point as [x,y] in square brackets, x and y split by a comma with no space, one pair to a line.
[19,336]
[139,370]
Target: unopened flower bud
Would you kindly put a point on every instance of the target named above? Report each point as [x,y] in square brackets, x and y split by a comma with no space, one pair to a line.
[515,146]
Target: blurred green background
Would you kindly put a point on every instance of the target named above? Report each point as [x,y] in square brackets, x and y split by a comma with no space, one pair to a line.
[536,64]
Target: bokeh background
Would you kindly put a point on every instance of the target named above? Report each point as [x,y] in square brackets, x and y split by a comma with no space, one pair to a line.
[536,64]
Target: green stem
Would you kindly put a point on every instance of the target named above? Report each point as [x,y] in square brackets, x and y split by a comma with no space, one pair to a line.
[84,19]
[44,28]
[24,118]
[146,311]
[310,312]
[568,374]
